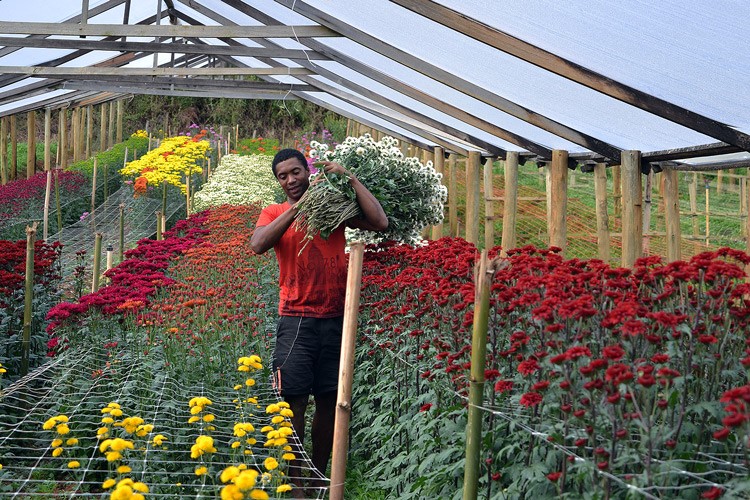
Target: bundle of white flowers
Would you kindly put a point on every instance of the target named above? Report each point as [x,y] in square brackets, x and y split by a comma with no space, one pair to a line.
[410,193]
[239,180]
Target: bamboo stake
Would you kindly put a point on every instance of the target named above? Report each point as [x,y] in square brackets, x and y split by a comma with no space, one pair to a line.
[74,132]
[558,208]
[632,216]
[510,203]
[28,299]
[720,182]
[476,381]
[4,150]
[47,139]
[439,155]
[346,372]
[237,136]
[121,250]
[489,205]
[452,196]
[103,127]
[672,214]
[97,262]
[81,133]
[13,148]
[472,197]
[30,144]
[602,217]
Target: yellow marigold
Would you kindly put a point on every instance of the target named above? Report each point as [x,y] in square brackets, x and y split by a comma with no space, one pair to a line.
[235,445]
[283,404]
[286,412]
[238,387]
[203,444]
[194,419]
[108,420]
[143,430]
[57,452]
[266,428]
[131,424]
[113,456]
[74,464]
[251,441]
[56,442]
[243,368]
[277,419]
[258,495]
[124,469]
[284,488]
[71,441]
[252,400]
[270,463]
[250,382]
[208,417]
[159,439]
[116,412]
[273,408]
[108,484]
[285,431]
[231,492]
[246,479]
[140,487]
[229,473]
[102,431]
[201,470]
[288,456]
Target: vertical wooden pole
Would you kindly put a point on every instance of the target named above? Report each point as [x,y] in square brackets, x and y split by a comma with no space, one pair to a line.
[602,217]
[719,182]
[47,168]
[453,195]
[62,138]
[93,188]
[103,127]
[489,204]
[617,189]
[75,132]
[97,262]
[693,188]
[57,199]
[472,197]
[121,249]
[672,214]
[632,215]
[120,112]
[646,230]
[159,225]
[111,126]
[28,299]
[708,212]
[439,155]
[4,170]
[476,380]
[13,148]
[30,144]
[187,195]
[558,208]
[346,372]
[510,202]
[89,131]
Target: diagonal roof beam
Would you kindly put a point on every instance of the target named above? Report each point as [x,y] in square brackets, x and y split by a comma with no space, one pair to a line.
[119,70]
[402,88]
[446,78]
[575,72]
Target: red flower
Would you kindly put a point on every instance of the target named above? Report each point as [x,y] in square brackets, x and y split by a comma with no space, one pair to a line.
[707,339]
[426,407]
[715,492]
[613,352]
[540,386]
[531,399]
[554,476]
[503,386]
[527,367]
[722,434]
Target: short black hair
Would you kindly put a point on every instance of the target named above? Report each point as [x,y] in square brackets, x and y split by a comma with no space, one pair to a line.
[286,154]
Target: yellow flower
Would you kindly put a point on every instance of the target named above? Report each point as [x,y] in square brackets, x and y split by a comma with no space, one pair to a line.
[277,419]
[113,456]
[140,487]
[116,412]
[203,444]
[208,417]
[199,471]
[56,442]
[246,479]
[283,404]
[288,456]
[194,419]
[250,382]
[124,469]
[286,412]
[159,439]
[108,420]
[238,387]
[251,441]
[243,368]
[131,424]
[273,408]
[236,444]
[108,484]
[270,463]
[195,410]
[231,492]
[63,429]
[229,473]
[284,488]
[252,400]
[143,430]
[266,428]
[71,442]
[258,495]
[57,452]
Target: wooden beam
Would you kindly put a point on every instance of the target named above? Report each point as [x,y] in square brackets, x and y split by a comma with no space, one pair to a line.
[13,148]
[489,204]
[43,71]
[166,30]
[575,72]
[4,150]
[120,111]
[632,211]
[558,207]
[453,195]
[510,203]
[672,215]
[202,91]
[439,165]
[602,216]
[30,144]
[472,197]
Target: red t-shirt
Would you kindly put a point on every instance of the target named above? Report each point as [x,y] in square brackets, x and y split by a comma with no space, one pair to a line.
[312,283]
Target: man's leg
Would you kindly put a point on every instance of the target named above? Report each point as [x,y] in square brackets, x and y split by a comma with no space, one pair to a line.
[298,405]
[322,430]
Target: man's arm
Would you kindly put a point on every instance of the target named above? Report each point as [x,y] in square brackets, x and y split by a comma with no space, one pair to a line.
[373,217]
[265,237]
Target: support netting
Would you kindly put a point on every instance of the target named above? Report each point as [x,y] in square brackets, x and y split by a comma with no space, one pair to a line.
[83,400]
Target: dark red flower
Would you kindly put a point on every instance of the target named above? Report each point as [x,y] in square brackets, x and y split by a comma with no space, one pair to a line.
[554,476]
[530,399]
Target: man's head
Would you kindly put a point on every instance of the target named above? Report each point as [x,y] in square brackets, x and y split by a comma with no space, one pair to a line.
[290,168]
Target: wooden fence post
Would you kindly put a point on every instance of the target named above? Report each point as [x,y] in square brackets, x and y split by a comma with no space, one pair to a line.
[672,214]
[75,133]
[13,148]
[472,197]
[510,202]
[4,170]
[97,262]
[118,135]
[28,298]
[632,215]
[62,138]
[693,189]
[617,189]
[646,230]
[103,127]
[558,207]
[47,169]
[489,204]
[439,164]
[346,372]
[602,217]
[111,126]
[30,144]
[453,196]
[89,131]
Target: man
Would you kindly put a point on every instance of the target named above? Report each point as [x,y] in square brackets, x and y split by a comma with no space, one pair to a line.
[311,300]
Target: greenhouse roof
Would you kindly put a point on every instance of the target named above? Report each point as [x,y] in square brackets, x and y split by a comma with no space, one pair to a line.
[593,77]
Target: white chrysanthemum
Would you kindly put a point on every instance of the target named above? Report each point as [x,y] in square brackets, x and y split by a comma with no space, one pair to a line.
[239,180]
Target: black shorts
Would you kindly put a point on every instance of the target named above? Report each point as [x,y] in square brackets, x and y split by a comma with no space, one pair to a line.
[307,355]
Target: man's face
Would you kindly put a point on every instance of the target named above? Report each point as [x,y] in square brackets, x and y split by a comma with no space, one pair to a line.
[293,177]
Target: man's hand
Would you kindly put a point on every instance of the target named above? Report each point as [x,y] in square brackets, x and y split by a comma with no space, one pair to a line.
[331,167]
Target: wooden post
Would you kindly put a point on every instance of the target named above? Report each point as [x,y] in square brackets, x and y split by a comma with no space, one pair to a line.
[159,225]
[103,127]
[346,372]
[47,168]
[110,252]
[632,215]
[646,230]
[57,199]
[121,250]
[672,214]
[208,168]
[472,197]
[75,133]
[111,126]
[13,148]
[97,262]
[30,144]
[719,182]
[187,195]
[119,121]
[476,380]
[89,131]
[439,155]
[708,211]
[602,217]
[453,196]
[489,204]
[62,138]
[693,188]
[93,187]
[617,189]
[4,170]
[510,203]
[237,136]
[558,207]
[28,299]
